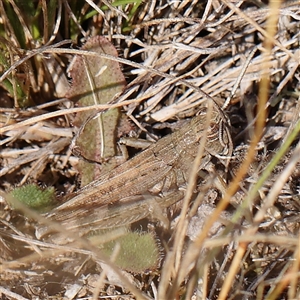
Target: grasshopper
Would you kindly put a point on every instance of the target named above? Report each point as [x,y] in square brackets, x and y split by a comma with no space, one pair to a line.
[118,197]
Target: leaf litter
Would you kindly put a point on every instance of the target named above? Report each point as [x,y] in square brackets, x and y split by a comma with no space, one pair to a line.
[172,46]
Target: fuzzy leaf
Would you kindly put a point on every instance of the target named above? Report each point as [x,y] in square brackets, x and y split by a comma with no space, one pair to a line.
[96,80]
[34,197]
[139,252]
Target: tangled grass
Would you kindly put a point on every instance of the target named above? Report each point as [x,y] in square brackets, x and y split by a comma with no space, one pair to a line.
[173,54]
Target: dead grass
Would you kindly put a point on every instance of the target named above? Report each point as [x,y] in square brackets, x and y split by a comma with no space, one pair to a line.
[177,54]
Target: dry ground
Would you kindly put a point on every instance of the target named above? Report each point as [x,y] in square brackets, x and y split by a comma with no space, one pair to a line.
[245,55]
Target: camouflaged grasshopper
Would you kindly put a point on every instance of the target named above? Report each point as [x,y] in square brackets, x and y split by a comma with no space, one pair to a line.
[123,195]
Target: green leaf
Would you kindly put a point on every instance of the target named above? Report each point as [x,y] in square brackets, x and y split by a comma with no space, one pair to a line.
[96,80]
[138,253]
[33,196]
[15,24]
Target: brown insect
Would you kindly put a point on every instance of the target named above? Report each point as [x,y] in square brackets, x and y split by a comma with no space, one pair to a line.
[124,195]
